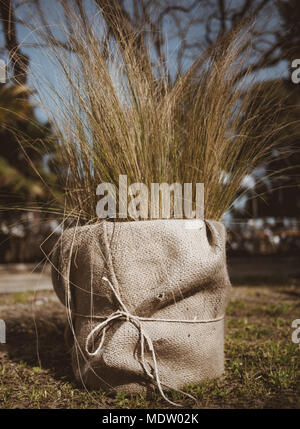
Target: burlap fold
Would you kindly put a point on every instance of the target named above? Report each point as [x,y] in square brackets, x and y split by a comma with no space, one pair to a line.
[132,291]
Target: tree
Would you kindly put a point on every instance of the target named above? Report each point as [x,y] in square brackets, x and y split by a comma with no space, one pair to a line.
[18,59]
[282,197]
[23,138]
[23,141]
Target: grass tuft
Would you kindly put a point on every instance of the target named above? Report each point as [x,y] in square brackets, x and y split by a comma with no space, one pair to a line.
[118,112]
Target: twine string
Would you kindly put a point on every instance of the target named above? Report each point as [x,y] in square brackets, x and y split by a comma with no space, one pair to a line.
[145,339]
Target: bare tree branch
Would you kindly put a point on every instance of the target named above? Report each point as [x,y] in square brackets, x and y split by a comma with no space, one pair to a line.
[194,26]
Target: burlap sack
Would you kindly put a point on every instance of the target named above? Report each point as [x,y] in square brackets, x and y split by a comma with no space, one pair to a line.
[114,276]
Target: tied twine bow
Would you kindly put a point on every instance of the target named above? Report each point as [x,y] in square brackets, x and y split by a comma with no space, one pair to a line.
[124,313]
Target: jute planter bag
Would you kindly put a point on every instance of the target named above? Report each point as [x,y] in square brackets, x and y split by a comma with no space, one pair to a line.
[146,302]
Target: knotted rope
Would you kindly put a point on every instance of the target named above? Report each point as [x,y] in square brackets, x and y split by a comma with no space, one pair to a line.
[124,313]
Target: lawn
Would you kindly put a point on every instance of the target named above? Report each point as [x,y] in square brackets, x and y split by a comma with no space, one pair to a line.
[262,362]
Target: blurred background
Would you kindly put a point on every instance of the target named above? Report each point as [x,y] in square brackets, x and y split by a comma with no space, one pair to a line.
[263,223]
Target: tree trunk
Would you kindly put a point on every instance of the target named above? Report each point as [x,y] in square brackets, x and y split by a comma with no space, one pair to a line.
[19,60]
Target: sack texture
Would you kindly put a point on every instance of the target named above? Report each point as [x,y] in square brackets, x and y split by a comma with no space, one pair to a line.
[161,269]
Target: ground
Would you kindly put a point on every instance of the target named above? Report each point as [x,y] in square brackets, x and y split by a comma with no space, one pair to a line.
[262,362]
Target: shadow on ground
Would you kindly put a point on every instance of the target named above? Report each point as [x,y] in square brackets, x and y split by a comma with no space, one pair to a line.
[36,338]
